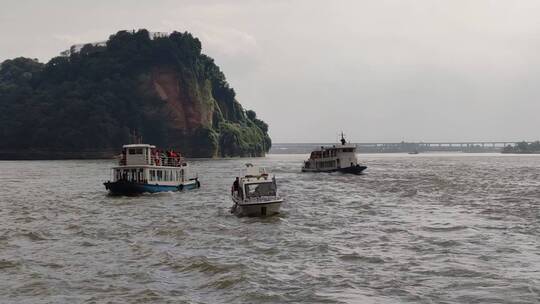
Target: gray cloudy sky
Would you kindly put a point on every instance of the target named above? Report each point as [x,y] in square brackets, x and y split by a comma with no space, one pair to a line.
[379,70]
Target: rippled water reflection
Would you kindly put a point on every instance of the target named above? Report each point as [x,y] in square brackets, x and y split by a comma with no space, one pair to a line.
[422,228]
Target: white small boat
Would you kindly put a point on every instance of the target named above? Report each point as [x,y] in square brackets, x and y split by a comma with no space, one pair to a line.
[255,194]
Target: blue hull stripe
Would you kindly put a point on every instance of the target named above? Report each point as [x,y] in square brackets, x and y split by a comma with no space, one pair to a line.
[135,188]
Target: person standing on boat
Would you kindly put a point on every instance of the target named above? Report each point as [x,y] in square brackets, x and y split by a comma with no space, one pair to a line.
[163,158]
[169,157]
[179,156]
[174,161]
[123,159]
[156,158]
[235,186]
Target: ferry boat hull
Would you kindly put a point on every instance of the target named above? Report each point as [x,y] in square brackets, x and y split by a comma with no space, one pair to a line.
[267,208]
[358,169]
[134,188]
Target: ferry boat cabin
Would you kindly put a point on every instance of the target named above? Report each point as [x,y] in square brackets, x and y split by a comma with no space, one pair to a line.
[329,158]
[143,168]
[142,163]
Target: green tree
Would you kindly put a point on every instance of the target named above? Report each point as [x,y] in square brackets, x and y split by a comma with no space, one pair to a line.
[94,98]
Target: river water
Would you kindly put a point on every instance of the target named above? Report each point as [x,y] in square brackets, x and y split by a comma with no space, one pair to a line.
[427,228]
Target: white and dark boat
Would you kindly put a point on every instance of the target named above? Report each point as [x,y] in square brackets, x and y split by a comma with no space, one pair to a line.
[255,193]
[340,157]
[144,169]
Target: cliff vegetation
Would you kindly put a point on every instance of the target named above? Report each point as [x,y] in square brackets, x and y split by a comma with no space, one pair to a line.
[89,101]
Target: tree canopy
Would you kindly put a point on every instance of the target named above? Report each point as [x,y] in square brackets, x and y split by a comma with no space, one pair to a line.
[93,98]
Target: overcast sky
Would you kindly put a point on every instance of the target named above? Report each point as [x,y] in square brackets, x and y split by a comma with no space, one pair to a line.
[380,70]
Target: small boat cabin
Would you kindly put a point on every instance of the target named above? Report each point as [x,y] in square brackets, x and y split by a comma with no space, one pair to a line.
[256,183]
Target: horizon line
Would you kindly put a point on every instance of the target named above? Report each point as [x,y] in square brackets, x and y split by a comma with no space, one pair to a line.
[416,142]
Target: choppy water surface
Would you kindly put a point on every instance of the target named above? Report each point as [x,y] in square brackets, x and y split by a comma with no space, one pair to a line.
[422,228]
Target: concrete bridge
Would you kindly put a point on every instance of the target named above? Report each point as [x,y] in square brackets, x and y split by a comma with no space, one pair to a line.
[465,146]
[402,147]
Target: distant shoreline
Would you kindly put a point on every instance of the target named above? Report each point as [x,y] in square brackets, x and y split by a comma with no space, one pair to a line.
[55,155]
[299,149]
[526,152]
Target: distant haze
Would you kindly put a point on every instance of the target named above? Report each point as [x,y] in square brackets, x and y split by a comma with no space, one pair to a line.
[378,70]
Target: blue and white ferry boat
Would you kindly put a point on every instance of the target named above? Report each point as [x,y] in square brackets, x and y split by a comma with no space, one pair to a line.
[144,169]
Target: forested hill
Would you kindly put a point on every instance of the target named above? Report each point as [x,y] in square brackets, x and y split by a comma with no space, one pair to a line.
[88,103]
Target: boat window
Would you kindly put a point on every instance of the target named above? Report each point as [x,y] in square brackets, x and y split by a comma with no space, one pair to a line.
[348,150]
[152,175]
[263,189]
[135,151]
[159,175]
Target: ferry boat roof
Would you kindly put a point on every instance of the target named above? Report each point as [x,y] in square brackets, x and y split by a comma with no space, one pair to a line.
[148,166]
[342,145]
[139,146]
[338,146]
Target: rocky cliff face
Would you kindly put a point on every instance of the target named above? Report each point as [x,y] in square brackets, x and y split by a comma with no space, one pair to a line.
[88,103]
[190,106]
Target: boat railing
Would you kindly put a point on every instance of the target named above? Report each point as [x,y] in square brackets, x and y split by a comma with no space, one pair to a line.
[171,161]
